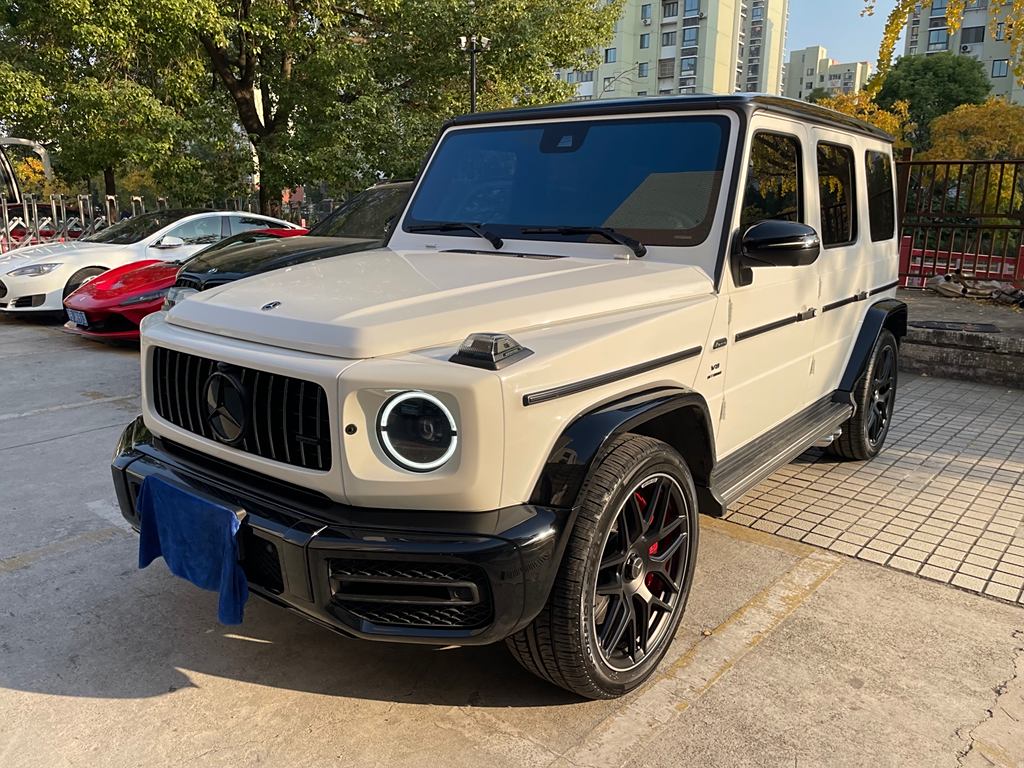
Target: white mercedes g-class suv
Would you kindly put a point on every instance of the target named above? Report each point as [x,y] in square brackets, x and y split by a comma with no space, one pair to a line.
[591,322]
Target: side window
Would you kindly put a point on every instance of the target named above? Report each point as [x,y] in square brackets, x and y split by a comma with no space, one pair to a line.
[248,223]
[837,191]
[773,180]
[199,231]
[881,208]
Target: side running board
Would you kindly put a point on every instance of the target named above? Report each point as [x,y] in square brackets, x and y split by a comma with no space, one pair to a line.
[742,470]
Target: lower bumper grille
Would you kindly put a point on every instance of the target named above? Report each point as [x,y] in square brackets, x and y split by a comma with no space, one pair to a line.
[261,562]
[3,289]
[35,300]
[421,595]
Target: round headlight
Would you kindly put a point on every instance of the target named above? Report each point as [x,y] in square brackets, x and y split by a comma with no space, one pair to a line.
[417,431]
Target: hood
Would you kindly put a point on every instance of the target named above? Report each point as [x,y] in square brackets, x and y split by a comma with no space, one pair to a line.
[130,280]
[387,302]
[47,252]
[242,260]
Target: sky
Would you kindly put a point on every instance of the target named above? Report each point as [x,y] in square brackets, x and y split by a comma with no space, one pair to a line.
[838,26]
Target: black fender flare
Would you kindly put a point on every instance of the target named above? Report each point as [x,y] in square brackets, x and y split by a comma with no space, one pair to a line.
[585,439]
[887,314]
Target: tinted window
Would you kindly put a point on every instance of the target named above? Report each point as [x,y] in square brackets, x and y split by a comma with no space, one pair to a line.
[881,208]
[138,228]
[369,215]
[837,192]
[206,229]
[656,179]
[244,223]
[773,180]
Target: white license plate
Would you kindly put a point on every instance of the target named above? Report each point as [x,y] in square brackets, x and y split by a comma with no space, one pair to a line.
[78,318]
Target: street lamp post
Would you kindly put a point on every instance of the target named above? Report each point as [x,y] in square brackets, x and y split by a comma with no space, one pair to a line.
[473,44]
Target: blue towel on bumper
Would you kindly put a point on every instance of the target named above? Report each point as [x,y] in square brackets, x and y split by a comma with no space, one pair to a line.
[197,540]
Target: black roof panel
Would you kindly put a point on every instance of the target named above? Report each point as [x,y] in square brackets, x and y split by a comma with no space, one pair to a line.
[748,102]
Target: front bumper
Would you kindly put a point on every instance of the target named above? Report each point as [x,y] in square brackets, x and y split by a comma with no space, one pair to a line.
[446,578]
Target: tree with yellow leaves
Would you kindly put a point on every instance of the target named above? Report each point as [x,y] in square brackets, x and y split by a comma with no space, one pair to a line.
[895,120]
[1009,12]
[990,131]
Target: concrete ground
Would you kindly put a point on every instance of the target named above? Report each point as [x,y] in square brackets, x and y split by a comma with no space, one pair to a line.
[789,655]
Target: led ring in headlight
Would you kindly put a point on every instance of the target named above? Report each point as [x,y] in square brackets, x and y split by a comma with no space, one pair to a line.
[417,431]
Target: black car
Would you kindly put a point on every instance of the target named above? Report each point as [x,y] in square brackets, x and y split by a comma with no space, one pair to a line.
[362,223]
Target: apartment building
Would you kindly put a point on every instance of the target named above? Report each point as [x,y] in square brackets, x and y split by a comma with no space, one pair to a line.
[665,47]
[981,36]
[811,68]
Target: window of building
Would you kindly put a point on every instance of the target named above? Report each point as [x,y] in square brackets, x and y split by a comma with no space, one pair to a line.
[668,38]
[645,40]
[641,93]
[810,72]
[643,69]
[1000,68]
[809,85]
[666,68]
[881,204]
[609,56]
[668,10]
[837,194]
[688,65]
[608,82]
[757,13]
[1001,30]
[938,39]
[972,35]
[773,188]
[586,77]
[645,11]
[691,8]
[939,7]
[690,36]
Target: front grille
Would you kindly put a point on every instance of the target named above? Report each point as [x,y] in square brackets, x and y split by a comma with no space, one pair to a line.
[188,282]
[286,419]
[3,289]
[423,595]
[260,561]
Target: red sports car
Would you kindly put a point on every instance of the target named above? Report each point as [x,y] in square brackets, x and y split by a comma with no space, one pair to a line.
[111,305]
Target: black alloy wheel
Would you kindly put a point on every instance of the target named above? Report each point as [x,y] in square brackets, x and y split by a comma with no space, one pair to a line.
[622,586]
[864,433]
[640,577]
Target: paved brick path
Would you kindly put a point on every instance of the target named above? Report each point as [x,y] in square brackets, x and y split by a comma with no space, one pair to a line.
[944,500]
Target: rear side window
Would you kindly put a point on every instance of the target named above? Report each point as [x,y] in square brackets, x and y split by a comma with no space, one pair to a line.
[249,223]
[773,180]
[837,192]
[881,208]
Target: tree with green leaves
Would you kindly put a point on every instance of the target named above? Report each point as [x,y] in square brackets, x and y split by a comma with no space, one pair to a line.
[933,86]
[818,95]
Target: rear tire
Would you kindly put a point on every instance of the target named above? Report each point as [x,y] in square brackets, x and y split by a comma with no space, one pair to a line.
[624,580]
[864,433]
[80,278]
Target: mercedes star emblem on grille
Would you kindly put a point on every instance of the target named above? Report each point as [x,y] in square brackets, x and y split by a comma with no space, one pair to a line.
[226,407]
[270,305]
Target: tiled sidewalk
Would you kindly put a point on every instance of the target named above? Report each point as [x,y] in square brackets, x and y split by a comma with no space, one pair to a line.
[944,500]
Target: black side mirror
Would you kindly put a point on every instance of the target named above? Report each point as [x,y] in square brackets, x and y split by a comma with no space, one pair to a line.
[778,243]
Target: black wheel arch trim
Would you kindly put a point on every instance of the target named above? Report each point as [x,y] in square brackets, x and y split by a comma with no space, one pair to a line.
[676,413]
[887,314]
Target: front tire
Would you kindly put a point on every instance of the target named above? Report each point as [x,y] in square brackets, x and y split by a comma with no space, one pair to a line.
[80,278]
[864,433]
[624,580]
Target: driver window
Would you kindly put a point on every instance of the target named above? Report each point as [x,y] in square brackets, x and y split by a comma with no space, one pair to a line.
[199,231]
[773,188]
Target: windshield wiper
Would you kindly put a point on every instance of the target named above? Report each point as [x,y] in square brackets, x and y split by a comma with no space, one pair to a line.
[450,226]
[638,248]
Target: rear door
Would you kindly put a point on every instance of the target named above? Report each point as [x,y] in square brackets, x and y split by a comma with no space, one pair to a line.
[851,252]
[770,348]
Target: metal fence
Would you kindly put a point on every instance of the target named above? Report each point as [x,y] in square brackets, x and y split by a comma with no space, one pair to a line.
[961,215]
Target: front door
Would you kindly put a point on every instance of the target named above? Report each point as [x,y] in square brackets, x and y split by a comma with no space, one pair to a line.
[772,309]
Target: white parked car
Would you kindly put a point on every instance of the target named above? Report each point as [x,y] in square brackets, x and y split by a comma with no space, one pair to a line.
[40,277]
[591,322]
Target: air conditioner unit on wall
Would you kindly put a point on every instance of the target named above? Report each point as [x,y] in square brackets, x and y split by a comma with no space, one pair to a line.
[647,22]
[966,49]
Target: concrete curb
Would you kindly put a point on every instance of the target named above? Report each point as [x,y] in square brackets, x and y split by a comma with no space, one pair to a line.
[987,358]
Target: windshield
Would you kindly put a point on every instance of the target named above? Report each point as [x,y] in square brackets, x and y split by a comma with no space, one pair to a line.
[655,179]
[135,229]
[368,215]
